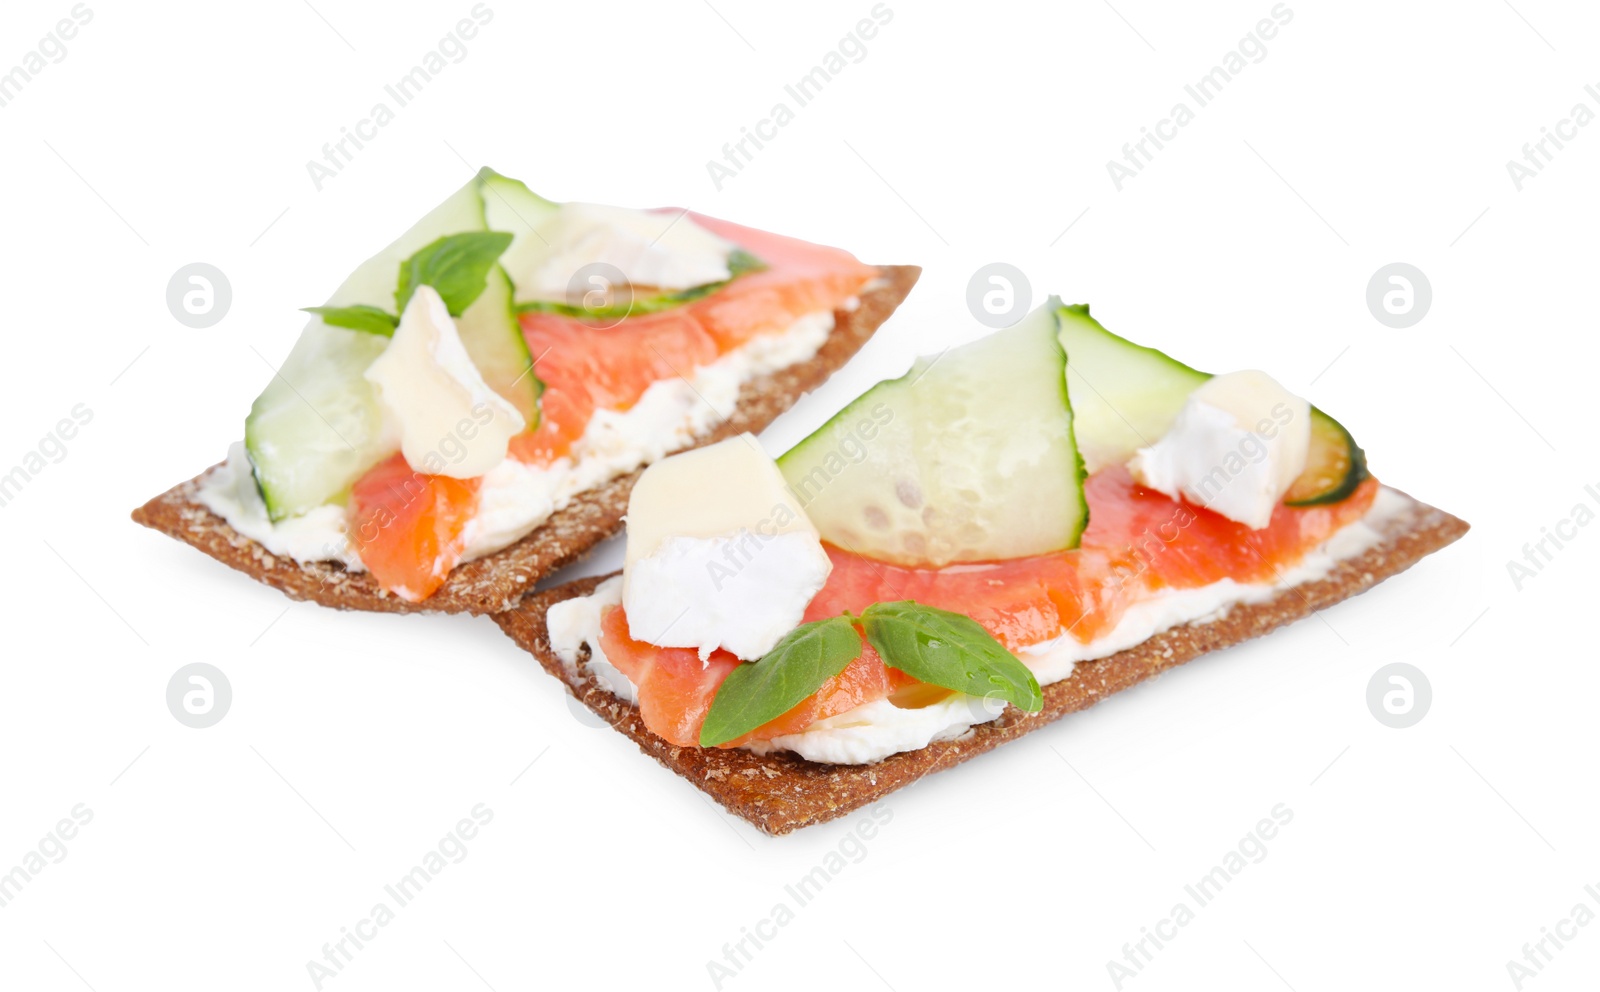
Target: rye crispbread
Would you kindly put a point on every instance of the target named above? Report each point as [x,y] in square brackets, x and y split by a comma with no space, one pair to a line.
[779,793]
[496,582]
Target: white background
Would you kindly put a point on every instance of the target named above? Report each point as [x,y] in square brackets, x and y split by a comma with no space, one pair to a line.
[1371,133]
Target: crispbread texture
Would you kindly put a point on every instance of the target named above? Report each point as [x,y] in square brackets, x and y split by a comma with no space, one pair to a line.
[779,792]
[496,582]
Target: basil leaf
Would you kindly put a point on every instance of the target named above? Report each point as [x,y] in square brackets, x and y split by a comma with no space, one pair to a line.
[456,266]
[760,692]
[739,263]
[949,650]
[358,318]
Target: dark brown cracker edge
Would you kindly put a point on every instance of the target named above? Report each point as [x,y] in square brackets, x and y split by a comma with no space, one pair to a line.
[497,581]
[780,792]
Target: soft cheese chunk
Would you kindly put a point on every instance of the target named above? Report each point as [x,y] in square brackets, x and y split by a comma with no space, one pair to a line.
[1237,445]
[574,623]
[451,422]
[720,554]
[665,250]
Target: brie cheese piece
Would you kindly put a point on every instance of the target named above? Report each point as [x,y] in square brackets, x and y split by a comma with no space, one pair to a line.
[1237,445]
[720,554]
[662,249]
[451,422]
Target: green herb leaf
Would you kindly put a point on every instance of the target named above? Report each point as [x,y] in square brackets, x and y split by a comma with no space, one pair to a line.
[456,266]
[739,263]
[950,650]
[759,692]
[358,318]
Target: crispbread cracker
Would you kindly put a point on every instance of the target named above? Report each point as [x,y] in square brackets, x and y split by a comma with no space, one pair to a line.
[780,792]
[497,581]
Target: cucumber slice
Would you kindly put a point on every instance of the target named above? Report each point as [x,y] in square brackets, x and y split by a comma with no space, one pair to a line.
[373,282]
[1125,397]
[501,354]
[1335,465]
[317,427]
[967,457]
[510,206]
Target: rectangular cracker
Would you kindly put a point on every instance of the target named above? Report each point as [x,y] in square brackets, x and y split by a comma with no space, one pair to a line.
[780,792]
[496,582]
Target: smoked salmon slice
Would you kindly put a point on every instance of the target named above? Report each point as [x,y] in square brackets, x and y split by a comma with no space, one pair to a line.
[1138,542]
[407,526]
[586,367]
[591,365]
[800,278]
